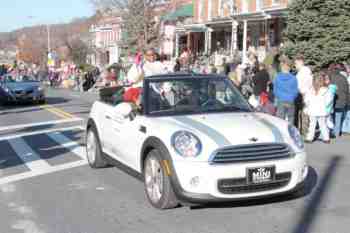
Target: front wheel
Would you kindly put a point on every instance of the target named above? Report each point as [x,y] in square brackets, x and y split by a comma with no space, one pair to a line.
[93,149]
[158,188]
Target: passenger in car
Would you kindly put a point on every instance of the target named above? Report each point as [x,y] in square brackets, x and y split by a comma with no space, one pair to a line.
[145,68]
[133,96]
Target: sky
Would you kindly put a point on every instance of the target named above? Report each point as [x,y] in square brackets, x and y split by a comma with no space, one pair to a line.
[15,14]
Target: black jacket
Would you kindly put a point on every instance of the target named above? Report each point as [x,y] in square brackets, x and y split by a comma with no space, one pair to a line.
[260,80]
[342,96]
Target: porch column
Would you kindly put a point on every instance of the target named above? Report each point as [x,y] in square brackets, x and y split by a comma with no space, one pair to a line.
[177,44]
[206,37]
[234,37]
[245,31]
[188,40]
[210,30]
[267,37]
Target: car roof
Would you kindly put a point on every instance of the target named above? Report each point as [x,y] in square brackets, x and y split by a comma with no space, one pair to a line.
[181,75]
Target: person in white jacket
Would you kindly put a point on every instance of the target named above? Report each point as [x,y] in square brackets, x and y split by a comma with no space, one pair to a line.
[145,68]
[317,100]
[304,77]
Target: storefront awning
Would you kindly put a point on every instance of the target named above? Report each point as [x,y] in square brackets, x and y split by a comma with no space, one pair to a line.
[184,11]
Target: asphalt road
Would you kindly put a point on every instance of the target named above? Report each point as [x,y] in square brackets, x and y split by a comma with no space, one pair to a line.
[47,187]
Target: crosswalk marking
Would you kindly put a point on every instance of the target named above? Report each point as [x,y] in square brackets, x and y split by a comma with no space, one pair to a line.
[38,166]
[34,173]
[45,131]
[21,126]
[31,159]
[68,144]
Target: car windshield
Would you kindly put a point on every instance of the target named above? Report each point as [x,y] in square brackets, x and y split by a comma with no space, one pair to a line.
[19,78]
[194,95]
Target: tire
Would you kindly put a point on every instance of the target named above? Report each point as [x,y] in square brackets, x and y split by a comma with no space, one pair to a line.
[162,197]
[93,149]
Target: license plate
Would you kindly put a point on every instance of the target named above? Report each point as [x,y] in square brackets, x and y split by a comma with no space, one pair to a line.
[261,175]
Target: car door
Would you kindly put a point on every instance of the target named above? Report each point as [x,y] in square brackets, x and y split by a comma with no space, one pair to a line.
[124,136]
[134,133]
[101,112]
[112,136]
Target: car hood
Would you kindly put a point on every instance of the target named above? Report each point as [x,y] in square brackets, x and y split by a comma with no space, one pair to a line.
[226,129]
[22,86]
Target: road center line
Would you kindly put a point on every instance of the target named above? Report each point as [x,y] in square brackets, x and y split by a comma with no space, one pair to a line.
[57,111]
[12,127]
[29,157]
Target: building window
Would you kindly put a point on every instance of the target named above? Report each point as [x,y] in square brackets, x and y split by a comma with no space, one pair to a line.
[259,5]
[210,10]
[228,6]
[245,6]
[276,2]
[200,10]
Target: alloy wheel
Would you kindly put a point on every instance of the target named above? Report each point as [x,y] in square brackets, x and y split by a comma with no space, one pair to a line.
[154,179]
[91,147]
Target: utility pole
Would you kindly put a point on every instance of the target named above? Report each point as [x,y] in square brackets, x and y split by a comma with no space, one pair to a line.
[48,38]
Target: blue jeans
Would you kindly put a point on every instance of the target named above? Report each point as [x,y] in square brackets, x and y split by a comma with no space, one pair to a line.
[346,124]
[286,110]
[338,118]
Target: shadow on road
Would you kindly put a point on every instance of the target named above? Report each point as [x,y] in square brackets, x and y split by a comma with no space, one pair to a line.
[28,106]
[310,183]
[56,100]
[311,209]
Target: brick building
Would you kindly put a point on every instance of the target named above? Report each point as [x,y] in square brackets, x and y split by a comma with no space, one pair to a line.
[229,25]
[106,39]
[179,14]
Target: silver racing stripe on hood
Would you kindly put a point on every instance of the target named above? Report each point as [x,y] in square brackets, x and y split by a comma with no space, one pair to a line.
[275,131]
[213,134]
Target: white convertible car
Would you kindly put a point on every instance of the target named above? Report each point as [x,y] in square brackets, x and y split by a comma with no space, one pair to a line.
[195,139]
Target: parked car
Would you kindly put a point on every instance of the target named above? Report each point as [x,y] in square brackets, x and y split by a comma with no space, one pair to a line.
[195,139]
[15,89]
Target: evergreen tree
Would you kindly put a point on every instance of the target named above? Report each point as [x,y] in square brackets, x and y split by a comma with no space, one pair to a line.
[320,30]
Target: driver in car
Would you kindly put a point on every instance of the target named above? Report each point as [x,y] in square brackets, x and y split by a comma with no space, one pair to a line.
[211,102]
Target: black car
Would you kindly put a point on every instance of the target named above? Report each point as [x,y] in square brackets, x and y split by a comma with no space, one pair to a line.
[22,88]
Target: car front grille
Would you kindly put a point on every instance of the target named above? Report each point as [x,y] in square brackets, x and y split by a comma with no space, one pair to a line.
[241,185]
[252,152]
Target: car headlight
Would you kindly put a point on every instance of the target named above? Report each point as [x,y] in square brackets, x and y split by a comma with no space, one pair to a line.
[6,90]
[40,89]
[295,135]
[186,144]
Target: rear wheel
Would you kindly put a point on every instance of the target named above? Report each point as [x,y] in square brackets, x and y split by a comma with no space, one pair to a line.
[93,149]
[158,188]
